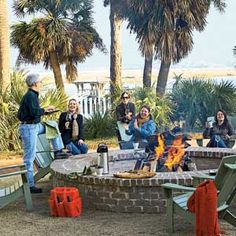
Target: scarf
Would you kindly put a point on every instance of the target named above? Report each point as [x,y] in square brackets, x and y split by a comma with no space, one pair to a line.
[141,121]
[75,127]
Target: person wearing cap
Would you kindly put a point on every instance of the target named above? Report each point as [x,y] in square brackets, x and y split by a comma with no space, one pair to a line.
[29,114]
[72,130]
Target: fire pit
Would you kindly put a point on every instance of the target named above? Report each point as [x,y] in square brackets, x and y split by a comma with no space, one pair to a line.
[109,193]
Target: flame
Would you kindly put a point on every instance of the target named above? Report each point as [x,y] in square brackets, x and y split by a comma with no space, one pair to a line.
[159,150]
[175,153]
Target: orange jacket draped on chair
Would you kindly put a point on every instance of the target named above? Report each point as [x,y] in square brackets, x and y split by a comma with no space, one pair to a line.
[203,203]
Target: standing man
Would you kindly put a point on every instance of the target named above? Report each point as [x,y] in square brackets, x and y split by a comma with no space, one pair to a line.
[30,114]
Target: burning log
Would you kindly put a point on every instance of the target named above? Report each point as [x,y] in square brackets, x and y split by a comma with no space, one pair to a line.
[174,152]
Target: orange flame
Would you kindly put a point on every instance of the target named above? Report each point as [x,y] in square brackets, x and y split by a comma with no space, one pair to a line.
[175,153]
[159,150]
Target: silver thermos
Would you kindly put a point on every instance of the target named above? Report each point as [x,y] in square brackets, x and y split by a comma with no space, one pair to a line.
[102,157]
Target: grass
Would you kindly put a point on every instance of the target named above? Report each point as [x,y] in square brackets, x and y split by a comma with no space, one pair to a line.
[111,142]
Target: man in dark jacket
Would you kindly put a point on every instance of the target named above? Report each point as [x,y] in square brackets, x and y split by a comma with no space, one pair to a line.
[30,114]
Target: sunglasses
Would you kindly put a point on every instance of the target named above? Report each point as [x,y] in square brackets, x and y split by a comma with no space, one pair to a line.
[125,97]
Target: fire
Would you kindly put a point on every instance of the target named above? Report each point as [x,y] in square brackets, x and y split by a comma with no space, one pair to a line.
[159,150]
[175,153]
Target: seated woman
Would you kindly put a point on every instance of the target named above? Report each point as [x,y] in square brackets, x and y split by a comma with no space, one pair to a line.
[220,131]
[71,128]
[125,111]
[142,126]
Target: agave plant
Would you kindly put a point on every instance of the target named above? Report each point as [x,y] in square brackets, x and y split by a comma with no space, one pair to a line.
[99,126]
[195,99]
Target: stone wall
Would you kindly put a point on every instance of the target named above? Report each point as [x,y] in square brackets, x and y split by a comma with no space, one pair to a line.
[123,195]
[130,195]
[208,158]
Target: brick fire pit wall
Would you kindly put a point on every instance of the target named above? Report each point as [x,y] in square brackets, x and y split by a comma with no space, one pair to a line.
[208,158]
[124,195]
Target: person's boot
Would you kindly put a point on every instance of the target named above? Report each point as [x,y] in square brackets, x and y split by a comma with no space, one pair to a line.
[34,189]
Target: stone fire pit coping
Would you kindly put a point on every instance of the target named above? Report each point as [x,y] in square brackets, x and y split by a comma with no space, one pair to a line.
[64,169]
[210,152]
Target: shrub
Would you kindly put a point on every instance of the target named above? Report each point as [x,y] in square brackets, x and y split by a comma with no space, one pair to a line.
[99,126]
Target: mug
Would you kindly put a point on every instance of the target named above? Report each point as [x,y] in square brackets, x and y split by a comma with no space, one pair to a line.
[135,145]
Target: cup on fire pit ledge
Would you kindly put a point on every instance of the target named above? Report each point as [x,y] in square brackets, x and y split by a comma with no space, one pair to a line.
[99,170]
[135,145]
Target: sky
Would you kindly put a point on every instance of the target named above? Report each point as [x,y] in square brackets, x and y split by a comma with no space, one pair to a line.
[213,47]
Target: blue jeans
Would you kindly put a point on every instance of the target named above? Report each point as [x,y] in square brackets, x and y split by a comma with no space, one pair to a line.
[76,148]
[217,141]
[29,134]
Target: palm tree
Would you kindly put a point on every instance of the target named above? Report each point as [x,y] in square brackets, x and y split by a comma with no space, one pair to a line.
[169,24]
[115,47]
[65,35]
[118,12]
[4,47]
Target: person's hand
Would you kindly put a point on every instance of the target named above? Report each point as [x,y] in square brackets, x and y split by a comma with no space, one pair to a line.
[49,108]
[80,141]
[208,125]
[126,126]
[129,116]
[67,124]
[136,124]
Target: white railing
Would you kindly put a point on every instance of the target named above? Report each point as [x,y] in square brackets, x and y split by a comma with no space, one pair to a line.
[92,104]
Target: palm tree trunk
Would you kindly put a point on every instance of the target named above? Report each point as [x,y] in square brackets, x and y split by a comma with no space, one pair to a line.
[4,47]
[115,49]
[147,71]
[162,78]
[56,71]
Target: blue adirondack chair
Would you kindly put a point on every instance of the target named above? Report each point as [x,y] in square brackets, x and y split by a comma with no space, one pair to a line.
[14,190]
[225,181]
[44,157]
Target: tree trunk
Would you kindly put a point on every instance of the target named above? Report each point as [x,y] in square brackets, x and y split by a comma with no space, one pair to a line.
[56,71]
[115,49]
[162,78]
[147,71]
[4,47]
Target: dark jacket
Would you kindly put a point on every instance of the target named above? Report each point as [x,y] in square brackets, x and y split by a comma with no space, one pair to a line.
[66,134]
[221,130]
[122,110]
[29,110]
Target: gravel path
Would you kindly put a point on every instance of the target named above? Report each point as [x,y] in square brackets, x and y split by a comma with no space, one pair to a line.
[16,221]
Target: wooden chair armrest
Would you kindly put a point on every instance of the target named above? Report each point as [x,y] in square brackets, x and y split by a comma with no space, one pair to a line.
[12,170]
[202,177]
[230,166]
[177,187]
[198,179]
[21,166]
[13,173]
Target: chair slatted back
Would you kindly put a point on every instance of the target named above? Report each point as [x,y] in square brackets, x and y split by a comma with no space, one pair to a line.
[123,135]
[44,154]
[225,180]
